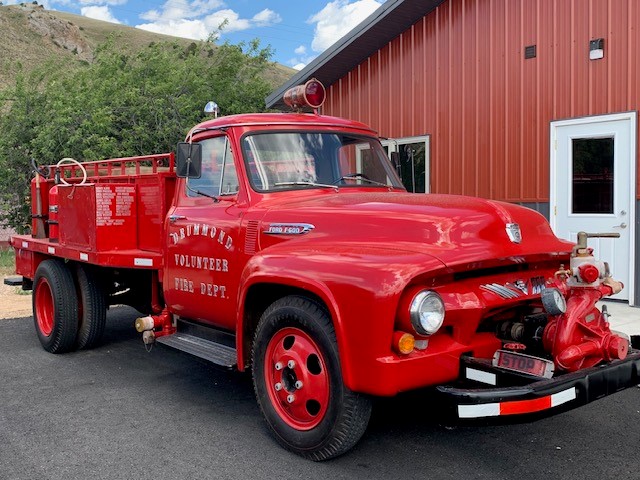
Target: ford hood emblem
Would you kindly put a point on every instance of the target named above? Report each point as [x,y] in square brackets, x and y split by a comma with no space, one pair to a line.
[513,231]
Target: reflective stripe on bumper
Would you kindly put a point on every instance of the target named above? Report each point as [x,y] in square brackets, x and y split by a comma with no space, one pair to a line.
[517,407]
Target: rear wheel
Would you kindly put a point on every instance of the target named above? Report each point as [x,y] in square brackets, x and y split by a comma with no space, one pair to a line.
[93,308]
[55,306]
[298,381]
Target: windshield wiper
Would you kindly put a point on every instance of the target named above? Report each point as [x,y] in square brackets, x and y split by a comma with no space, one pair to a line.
[305,184]
[362,176]
[198,192]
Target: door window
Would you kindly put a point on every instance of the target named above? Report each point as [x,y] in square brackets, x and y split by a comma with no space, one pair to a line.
[592,179]
[219,175]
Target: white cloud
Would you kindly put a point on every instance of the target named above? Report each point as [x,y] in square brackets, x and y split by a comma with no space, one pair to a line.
[301,50]
[337,18]
[102,2]
[193,29]
[231,20]
[301,61]
[44,3]
[266,18]
[199,18]
[99,13]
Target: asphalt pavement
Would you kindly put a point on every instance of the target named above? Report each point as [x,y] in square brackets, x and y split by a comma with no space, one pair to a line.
[120,412]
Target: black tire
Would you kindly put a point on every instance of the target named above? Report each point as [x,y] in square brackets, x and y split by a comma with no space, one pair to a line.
[55,306]
[330,418]
[93,308]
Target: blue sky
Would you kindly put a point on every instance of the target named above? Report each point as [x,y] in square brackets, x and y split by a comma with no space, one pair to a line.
[298,31]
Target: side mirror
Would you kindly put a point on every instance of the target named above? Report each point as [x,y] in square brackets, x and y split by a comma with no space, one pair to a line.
[189,160]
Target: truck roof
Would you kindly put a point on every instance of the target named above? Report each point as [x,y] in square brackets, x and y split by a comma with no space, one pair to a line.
[289,119]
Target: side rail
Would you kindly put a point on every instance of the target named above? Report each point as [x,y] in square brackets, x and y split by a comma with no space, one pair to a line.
[71,170]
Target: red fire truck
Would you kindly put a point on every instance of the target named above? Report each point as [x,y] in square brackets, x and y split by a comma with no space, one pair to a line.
[287,245]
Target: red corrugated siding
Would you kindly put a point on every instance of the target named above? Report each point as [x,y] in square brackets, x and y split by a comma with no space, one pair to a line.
[460,76]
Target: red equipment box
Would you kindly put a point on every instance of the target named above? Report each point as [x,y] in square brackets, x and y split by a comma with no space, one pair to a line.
[98,217]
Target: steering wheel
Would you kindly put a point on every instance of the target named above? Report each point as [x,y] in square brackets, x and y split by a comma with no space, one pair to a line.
[78,164]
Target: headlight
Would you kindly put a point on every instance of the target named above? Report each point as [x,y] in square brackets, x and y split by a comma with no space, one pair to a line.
[427,312]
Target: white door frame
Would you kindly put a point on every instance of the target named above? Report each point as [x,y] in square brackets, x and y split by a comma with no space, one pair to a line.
[553,194]
[392,144]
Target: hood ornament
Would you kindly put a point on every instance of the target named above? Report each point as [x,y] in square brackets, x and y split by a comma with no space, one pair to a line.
[513,232]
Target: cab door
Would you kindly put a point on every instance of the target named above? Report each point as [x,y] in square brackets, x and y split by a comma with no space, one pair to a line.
[201,275]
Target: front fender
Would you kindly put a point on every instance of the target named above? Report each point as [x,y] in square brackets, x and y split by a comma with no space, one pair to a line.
[360,285]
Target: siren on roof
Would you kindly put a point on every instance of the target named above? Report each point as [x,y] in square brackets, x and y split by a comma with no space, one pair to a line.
[311,94]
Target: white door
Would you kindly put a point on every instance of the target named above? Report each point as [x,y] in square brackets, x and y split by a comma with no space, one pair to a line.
[413,161]
[593,177]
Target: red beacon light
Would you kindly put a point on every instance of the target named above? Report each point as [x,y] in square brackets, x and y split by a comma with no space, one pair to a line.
[311,94]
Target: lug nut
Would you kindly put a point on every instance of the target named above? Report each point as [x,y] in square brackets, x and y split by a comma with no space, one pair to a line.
[298,384]
[291,364]
[278,366]
[278,386]
[291,398]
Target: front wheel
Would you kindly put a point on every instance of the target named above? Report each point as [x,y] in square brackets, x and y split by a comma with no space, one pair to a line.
[298,381]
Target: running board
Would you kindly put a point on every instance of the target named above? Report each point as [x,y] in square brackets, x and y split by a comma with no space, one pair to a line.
[212,351]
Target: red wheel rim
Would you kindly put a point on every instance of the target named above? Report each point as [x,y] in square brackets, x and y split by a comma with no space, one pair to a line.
[297,378]
[44,307]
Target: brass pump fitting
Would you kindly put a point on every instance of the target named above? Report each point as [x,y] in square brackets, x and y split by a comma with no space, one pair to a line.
[144,324]
[615,285]
[580,249]
[563,272]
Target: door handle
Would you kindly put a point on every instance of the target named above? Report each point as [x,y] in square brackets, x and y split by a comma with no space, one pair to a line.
[175,218]
[622,225]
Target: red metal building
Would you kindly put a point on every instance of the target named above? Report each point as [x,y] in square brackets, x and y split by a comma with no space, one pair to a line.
[526,101]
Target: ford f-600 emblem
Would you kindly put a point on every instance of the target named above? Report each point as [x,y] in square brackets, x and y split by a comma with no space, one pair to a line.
[289,228]
[513,231]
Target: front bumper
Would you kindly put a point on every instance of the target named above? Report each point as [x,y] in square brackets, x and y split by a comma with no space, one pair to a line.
[534,398]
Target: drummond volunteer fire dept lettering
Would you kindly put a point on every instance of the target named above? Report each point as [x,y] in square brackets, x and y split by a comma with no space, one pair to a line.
[220,238]
[202,229]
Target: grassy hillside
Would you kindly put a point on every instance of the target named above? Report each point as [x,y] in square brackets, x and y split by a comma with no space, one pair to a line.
[32,36]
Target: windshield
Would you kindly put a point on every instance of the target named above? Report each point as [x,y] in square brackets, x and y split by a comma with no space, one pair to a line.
[290,160]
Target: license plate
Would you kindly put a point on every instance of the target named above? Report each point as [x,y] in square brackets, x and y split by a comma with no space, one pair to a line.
[519,362]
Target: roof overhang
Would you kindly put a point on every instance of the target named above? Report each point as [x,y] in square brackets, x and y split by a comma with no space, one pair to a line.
[386,23]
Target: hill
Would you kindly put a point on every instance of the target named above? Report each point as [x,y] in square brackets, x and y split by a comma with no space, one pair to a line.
[32,36]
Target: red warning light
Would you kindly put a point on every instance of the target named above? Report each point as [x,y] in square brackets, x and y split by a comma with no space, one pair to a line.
[311,94]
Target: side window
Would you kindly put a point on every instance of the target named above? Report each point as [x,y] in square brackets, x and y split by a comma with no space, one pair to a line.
[219,175]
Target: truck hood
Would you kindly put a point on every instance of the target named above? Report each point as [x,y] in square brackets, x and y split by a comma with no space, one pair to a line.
[459,231]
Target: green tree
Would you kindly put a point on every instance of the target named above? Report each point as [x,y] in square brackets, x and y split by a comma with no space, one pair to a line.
[122,104]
